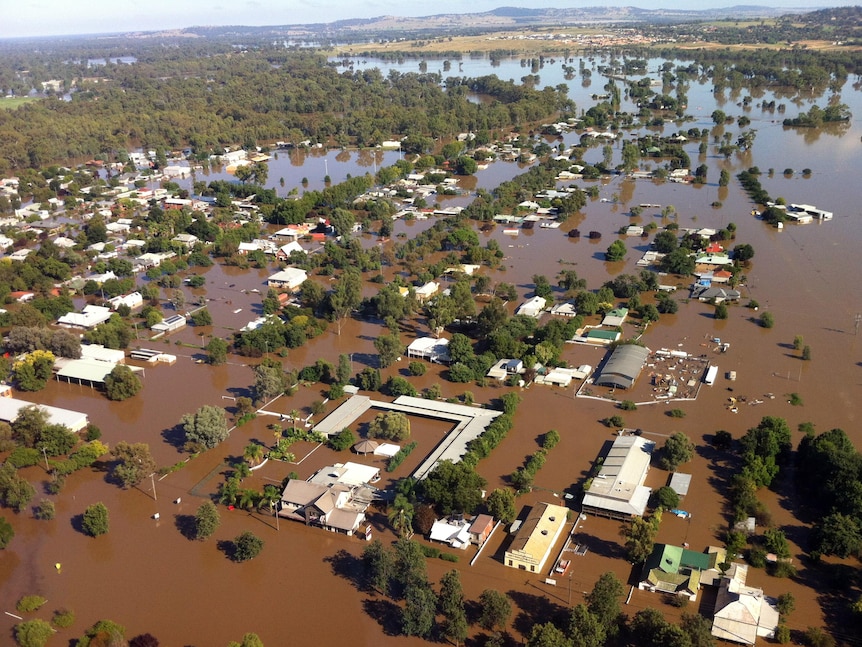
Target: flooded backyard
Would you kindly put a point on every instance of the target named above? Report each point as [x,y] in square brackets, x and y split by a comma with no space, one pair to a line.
[147,576]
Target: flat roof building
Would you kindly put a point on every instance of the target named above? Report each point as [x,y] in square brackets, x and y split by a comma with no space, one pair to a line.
[10,409]
[618,491]
[536,537]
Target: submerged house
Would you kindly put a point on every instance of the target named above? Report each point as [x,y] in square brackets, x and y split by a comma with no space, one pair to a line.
[743,613]
[618,492]
[674,570]
[331,507]
[536,537]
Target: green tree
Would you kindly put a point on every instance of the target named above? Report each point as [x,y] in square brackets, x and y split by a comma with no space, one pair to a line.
[95,520]
[122,383]
[7,533]
[217,351]
[207,520]
[604,602]
[248,640]
[678,449]
[268,381]
[246,546]
[698,629]
[450,604]
[547,635]
[616,251]
[453,488]
[206,427]
[665,241]
[838,534]
[389,348]
[767,320]
[133,463]
[391,425]
[346,296]
[401,516]
[15,491]
[33,633]
[679,262]
[417,616]
[640,536]
[666,497]
[345,439]
[496,609]
[344,369]
[584,628]
[501,505]
[743,253]
[379,566]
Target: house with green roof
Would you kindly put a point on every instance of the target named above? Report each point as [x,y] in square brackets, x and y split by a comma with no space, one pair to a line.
[675,570]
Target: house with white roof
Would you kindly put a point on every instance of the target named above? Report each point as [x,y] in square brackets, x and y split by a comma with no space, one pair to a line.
[743,613]
[532,308]
[289,278]
[90,317]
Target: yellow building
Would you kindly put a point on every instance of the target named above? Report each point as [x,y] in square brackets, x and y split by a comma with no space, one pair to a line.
[536,537]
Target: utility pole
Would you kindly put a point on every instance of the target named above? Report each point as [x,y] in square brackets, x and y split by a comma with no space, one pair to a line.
[153,480]
[45,454]
[858,320]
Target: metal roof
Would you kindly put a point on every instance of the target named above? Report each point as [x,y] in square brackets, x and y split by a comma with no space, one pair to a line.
[623,366]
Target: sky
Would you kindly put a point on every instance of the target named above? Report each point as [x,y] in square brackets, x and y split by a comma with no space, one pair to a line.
[62,17]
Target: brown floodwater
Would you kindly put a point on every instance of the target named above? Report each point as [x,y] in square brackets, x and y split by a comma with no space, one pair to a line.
[145,575]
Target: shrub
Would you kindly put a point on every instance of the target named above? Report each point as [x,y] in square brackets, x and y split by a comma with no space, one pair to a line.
[45,510]
[63,618]
[342,440]
[399,457]
[417,368]
[756,557]
[627,405]
[782,634]
[676,413]
[95,520]
[246,546]
[550,439]
[24,457]
[766,320]
[448,557]
[430,551]
[30,603]
[614,422]
[665,497]
[782,568]
[33,633]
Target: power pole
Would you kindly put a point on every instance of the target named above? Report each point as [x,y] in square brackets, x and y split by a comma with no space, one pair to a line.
[858,320]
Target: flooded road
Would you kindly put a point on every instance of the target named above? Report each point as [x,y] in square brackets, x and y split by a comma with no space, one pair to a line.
[145,575]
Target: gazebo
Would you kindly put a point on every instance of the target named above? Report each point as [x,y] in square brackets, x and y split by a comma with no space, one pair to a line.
[366,446]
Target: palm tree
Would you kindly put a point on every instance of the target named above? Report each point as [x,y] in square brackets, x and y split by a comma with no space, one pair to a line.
[253,453]
[241,470]
[228,492]
[277,433]
[294,414]
[401,516]
[270,496]
[247,499]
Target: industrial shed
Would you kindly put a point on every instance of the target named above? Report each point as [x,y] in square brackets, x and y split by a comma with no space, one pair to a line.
[623,366]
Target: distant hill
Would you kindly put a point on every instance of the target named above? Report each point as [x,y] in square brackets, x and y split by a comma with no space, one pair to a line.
[500,18]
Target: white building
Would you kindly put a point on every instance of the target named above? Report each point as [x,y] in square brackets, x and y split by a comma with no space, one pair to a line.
[90,317]
[532,308]
[288,279]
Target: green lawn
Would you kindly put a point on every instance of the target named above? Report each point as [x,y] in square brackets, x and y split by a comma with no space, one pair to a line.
[7,103]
